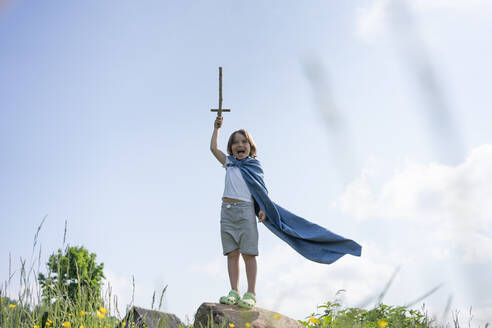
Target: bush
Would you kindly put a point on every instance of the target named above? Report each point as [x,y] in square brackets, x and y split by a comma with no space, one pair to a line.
[330,315]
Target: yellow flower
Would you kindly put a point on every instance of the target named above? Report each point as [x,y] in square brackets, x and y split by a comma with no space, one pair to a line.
[103,310]
[276,316]
[123,324]
[81,326]
[382,323]
[35,326]
[12,306]
[99,314]
[83,313]
[69,314]
[231,325]
[49,322]
[67,324]
[247,325]
[313,320]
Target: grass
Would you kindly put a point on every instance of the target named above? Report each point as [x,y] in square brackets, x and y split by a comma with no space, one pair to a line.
[29,310]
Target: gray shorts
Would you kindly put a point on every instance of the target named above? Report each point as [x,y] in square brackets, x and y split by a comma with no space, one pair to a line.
[238,228]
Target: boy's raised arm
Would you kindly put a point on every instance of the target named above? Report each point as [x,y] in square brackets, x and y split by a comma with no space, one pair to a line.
[221,157]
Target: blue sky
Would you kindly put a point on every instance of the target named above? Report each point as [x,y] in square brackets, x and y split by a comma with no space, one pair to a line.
[372,127]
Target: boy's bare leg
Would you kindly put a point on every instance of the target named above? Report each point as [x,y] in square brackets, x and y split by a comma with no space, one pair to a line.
[251,269]
[233,268]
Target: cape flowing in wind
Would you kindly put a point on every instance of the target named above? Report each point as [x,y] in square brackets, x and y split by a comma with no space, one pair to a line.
[308,239]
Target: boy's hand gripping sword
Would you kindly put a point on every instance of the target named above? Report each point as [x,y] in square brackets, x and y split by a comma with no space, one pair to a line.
[220,109]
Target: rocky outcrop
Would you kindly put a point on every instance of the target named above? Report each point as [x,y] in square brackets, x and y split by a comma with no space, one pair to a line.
[143,318]
[223,315]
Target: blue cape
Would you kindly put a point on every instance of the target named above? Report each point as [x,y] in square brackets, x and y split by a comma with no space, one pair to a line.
[308,239]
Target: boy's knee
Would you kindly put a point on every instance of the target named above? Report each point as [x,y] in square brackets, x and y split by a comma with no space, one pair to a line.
[233,254]
[248,256]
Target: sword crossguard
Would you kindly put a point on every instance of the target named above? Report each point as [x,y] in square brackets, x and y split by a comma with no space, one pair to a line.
[216,110]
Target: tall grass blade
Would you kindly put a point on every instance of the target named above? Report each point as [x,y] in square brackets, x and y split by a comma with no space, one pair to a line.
[447,307]
[37,233]
[133,291]
[430,292]
[162,295]
[65,233]
[388,284]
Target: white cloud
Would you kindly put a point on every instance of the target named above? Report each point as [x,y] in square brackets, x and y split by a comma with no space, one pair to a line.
[294,283]
[214,268]
[449,4]
[371,21]
[451,204]
[374,20]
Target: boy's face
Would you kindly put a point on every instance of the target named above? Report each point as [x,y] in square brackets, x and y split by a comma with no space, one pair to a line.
[240,146]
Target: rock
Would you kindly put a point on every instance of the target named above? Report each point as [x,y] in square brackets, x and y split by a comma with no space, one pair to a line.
[144,318]
[257,317]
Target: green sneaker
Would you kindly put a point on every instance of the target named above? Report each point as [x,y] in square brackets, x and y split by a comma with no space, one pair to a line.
[230,299]
[247,302]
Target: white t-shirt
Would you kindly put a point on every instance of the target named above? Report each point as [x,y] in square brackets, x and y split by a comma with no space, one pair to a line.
[235,186]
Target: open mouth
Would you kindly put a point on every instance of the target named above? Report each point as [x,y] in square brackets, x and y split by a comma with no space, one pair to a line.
[241,152]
